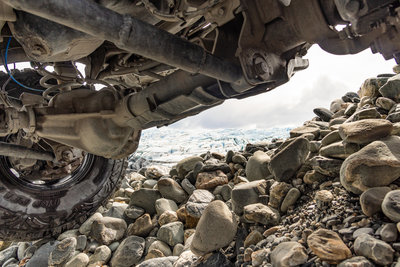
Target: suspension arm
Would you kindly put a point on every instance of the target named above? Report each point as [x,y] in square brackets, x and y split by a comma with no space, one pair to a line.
[133,36]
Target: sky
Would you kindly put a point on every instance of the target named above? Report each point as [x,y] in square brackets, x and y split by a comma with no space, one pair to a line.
[328,77]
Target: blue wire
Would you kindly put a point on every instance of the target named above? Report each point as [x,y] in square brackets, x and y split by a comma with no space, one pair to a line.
[9,73]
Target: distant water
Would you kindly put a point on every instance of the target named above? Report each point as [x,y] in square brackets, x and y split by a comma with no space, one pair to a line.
[166,146]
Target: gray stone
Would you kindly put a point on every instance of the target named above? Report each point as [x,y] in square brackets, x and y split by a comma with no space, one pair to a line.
[305,130]
[113,246]
[257,166]
[63,251]
[156,172]
[350,110]
[216,259]
[164,204]
[285,164]
[149,184]
[188,186]
[186,165]
[8,253]
[374,249]
[81,242]
[381,159]
[171,190]
[391,205]
[69,233]
[178,249]
[226,192]
[339,150]
[323,113]
[364,230]
[363,114]
[41,256]
[371,86]
[391,89]
[277,194]
[159,262]
[216,229]
[134,212]
[336,105]
[239,159]
[107,230]
[101,256]
[245,194]
[288,254]
[331,138]
[261,213]
[22,247]
[394,117]
[351,97]
[198,201]
[365,131]
[385,103]
[290,199]
[186,259]
[116,211]
[146,199]
[79,260]
[161,246]
[389,232]
[141,227]
[358,261]
[168,217]
[171,233]
[87,225]
[11,263]
[371,200]
[129,252]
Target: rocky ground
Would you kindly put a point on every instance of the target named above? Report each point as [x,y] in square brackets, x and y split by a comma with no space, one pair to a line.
[327,196]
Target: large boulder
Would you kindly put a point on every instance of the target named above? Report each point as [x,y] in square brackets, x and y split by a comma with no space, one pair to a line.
[377,164]
[257,166]
[365,131]
[216,229]
[285,163]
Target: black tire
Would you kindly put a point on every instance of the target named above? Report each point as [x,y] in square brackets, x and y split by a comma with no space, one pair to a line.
[30,211]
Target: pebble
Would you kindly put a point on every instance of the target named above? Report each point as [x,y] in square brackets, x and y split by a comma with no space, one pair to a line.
[288,254]
[171,189]
[391,205]
[101,256]
[145,199]
[171,233]
[261,214]
[141,227]
[290,199]
[374,249]
[371,200]
[328,246]
[389,232]
[108,229]
[129,252]
[63,251]
[198,202]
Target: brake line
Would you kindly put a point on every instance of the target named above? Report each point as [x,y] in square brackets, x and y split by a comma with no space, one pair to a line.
[9,73]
